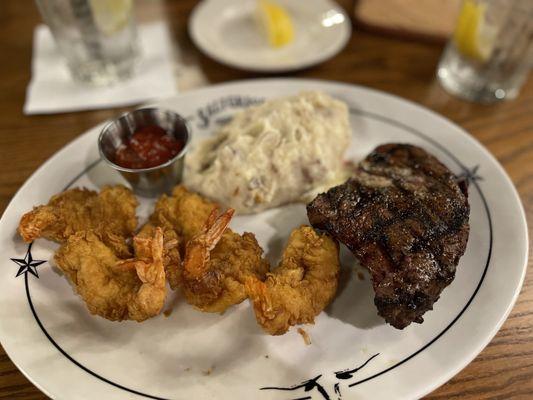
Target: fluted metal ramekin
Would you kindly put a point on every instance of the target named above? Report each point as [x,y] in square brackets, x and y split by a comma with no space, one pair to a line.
[151,181]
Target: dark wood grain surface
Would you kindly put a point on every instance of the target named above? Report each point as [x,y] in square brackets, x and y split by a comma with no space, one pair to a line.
[504,369]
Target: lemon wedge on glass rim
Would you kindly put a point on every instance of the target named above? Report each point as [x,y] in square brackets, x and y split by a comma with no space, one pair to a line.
[473,37]
[111,16]
[276,22]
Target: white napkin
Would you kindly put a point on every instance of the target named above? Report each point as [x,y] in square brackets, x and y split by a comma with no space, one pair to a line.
[52,89]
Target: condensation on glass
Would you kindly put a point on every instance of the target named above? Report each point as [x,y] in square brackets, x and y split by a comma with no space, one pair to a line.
[491,52]
[98,38]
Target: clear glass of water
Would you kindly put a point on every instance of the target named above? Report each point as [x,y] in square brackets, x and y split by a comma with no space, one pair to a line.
[98,38]
[491,52]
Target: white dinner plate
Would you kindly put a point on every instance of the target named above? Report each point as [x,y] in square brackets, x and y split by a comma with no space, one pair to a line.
[69,354]
[226,31]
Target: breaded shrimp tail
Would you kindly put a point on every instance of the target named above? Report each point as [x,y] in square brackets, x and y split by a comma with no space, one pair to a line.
[109,214]
[111,287]
[217,262]
[197,253]
[301,286]
[171,254]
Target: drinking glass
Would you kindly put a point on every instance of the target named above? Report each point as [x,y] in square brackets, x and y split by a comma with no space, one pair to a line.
[490,54]
[98,38]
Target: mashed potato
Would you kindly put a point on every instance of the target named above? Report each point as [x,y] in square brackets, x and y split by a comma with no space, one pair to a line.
[273,153]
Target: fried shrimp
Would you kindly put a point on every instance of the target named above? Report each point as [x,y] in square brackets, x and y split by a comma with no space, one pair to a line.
[110,214]
[184,211]
[217,262]
[301,286]
[181,216]
[113,288]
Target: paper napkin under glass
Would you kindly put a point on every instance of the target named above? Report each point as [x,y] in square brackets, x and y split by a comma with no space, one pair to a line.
[52,89]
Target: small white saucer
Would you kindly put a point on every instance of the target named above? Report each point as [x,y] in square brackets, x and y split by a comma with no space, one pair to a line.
[226,31]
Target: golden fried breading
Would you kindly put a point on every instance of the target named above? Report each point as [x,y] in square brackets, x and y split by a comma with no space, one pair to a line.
[113,288]
[217,263]
[304,283]
[184,211]
[110,214]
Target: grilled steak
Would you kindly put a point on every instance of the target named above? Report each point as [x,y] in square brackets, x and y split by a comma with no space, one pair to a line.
[405,218]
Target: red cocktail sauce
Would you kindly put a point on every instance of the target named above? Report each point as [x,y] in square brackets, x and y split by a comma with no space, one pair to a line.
[148,147]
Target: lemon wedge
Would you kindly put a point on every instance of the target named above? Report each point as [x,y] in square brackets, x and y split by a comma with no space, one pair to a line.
[276,22]
[473,38]
[111,16]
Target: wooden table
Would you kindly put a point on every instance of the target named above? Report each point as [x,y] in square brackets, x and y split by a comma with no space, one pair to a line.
[505,368]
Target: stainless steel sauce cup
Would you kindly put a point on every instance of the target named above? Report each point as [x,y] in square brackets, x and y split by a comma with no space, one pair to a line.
[151,181]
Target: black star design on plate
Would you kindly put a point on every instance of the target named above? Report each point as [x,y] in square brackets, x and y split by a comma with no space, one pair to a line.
[27,264]
[470,175]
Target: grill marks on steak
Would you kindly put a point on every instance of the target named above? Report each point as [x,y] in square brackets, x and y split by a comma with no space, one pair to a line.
[405,218]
